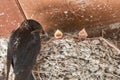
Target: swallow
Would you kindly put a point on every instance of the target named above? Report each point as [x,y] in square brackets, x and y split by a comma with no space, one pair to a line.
[23,47]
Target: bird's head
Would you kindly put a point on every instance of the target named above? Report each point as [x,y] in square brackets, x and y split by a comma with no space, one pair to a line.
[33,26]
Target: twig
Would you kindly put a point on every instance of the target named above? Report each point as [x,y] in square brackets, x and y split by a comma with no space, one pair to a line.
[21,10]
[39,73]
[111,45]
[103,32]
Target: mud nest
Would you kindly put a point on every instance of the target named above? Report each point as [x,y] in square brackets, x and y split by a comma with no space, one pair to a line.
[71,59]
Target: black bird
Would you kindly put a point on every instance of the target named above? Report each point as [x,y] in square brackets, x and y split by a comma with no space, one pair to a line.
[23,48]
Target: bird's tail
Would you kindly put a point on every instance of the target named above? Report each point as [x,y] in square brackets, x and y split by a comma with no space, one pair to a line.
[32,77]
[8,69]
[25,76]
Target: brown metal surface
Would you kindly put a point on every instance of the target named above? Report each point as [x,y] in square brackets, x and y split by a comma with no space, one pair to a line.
[9,17]
[70,15]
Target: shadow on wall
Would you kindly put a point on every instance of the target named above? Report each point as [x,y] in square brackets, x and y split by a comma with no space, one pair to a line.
[71,15]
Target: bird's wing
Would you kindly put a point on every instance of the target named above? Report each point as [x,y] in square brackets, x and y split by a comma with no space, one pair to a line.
[25,56]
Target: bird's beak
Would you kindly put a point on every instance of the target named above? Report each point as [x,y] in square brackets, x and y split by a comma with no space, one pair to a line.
[37,31]
[42,32]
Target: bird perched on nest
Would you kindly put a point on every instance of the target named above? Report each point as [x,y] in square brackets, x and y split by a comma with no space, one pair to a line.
[23,48]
